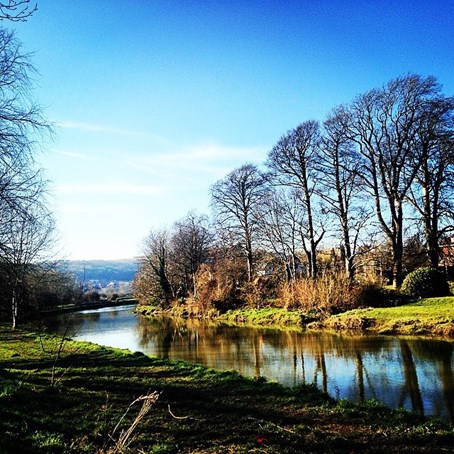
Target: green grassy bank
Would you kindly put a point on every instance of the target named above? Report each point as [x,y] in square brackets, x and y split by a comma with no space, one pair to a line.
[197,410]
[276,317]
[429,316]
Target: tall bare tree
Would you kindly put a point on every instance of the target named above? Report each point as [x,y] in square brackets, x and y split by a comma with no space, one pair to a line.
[385,125]
[154,272]
[281,217]
[433,191]
[292,162]
[191,241]
[235,201]
[25,223]
[341,187]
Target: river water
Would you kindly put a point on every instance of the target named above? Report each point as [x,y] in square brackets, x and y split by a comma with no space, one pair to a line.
[410,372]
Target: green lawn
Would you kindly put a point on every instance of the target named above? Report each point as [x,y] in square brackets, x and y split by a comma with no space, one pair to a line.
[427,316]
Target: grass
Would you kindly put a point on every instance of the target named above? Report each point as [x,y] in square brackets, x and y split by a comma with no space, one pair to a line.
[271,316]
[198,410]
[428,316]
[276,317]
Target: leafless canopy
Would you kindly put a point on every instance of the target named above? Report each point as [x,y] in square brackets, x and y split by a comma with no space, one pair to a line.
[17,10]
[235,200]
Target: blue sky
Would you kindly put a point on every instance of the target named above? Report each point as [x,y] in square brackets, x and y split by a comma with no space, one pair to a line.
[154,101]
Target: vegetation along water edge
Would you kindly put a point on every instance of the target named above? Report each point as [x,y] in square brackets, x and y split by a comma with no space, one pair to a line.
[63,396]
[427,316]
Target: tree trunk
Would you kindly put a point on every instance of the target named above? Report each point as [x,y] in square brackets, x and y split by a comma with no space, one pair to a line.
[433,251]
[347,253]
[249,260]
[14,310]
[398,246]
[430,226]
[313,258]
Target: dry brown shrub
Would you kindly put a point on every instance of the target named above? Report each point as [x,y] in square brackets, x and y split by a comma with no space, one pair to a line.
[206,285]
[257,294]
[328,294]
[219,285]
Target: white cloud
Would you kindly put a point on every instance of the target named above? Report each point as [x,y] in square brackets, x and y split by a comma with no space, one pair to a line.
[73,154]
[97,128]
[190,162]
[78,208]
[214,152]
[117,188]
[92,127]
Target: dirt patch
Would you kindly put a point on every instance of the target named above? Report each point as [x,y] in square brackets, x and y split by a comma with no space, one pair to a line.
[348,323]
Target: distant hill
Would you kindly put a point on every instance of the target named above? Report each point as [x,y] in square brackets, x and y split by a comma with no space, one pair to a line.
[101,270]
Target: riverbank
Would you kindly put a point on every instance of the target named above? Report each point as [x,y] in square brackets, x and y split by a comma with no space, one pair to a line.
[86,306]
[94,387]
[428,316]
[276,317]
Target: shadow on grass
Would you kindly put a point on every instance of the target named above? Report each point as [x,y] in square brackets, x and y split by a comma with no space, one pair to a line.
[199,410]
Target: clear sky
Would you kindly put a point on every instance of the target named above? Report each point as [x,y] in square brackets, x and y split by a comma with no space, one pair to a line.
[155,100]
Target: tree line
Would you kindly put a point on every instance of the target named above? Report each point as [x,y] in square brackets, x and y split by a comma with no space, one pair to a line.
[376,175]
[28,276]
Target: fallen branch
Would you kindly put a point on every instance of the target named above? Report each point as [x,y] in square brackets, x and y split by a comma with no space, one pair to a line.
[176,417]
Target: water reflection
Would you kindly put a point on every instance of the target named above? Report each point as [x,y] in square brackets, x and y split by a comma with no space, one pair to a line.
[413,373]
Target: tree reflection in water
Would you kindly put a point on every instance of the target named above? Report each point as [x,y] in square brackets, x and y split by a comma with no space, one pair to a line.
[411,386]
[415,373]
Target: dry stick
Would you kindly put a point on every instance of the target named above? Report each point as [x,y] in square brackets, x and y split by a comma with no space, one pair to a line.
[261,421]
[176,417]
[148,401]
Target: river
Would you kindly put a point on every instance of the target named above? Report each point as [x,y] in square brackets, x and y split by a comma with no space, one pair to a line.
[410,372]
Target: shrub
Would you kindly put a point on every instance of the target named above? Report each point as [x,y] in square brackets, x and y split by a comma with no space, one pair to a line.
[258,293]
[425,282]
[217,287]
[328,294]
[370,294]
[92,296]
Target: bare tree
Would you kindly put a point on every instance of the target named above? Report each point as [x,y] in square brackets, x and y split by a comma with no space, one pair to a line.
[341,187]
[281,217]
[191,241]
[25,224]
[433,190]
[293,163]
[154,269]
[384,124]
[25,255]
[235,200]
[17,10]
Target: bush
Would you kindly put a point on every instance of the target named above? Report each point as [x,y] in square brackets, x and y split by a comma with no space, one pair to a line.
[92,296]
[258,293]
[370,294]
[328,294]
[217,287]
[425,282]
